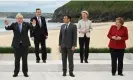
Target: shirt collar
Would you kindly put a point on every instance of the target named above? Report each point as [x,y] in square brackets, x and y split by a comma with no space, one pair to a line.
[85,20]
[38,17]
[68,24]
[20,23]
[119,28]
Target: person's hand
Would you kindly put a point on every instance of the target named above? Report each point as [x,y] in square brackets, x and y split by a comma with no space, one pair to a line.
[6,22]
[82,32]
[114,37]
[118,38]
[32,38]
[73,48]
[46,37]
[59,47]
[33,22]
[87,30]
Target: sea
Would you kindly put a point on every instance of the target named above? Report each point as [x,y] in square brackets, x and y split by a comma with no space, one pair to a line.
[50,25]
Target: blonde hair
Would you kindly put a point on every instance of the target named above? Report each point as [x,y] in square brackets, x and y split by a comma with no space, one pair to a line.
[121,20]
[85,12]
[19,15]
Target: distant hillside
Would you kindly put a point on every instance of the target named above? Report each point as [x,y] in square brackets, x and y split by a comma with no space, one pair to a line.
[25,14]
[2,14]
[99,10]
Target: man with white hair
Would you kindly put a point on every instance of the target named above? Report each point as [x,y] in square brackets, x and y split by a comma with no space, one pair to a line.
[20,42]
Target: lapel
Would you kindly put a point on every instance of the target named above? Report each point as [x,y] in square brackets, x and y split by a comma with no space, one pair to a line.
[64,27]
[37,20]
[23,26]
[69,26]
[41,20]
[17,27]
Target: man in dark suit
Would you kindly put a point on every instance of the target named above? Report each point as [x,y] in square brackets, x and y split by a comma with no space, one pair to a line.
[67,44]
[40,34]
[20,43]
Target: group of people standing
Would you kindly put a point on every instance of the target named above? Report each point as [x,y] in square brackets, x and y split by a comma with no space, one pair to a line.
[118,34]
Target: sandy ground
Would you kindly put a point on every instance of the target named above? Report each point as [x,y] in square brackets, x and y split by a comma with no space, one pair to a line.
[98,36]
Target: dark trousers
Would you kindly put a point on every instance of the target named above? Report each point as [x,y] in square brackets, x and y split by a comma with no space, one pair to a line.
[84,42]
[43,48]
[117,54]
[19,52]
[67,53]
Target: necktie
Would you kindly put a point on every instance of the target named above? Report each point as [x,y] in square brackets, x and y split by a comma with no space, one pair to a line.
[20,28]
[39,21]
[66,27]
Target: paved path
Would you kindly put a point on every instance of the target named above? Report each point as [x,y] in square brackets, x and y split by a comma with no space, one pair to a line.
[58,76]
[98,68]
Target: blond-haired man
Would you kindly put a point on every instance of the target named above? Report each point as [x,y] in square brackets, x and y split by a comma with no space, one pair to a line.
[20,42]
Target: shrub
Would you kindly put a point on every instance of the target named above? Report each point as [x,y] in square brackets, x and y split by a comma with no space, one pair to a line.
[103,50]
[10,50]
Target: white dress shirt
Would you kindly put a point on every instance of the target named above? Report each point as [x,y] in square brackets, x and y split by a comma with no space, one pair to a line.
[67,25]
[39,20]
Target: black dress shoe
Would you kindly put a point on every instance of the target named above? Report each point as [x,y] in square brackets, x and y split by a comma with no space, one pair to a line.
[72,75]
[113,74]
[120,74]
[86,61]
[37,61]
[81,61]
[44,61]
[64,73]
[15,75]
[26,75]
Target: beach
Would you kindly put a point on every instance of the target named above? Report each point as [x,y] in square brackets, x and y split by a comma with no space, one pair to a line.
[98,37]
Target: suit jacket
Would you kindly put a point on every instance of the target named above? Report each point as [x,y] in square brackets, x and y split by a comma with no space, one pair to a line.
[40,31]
[69,38]
[20,37]
[82,26]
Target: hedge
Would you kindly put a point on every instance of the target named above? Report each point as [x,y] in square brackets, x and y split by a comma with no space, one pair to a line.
[10,50]
[103,50]
[91,50]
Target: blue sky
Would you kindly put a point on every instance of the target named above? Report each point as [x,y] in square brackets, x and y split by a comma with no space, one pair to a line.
[47,6]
